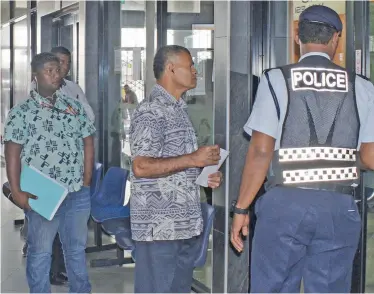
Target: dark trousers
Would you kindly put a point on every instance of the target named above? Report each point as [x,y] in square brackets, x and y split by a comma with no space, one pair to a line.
[304,234]
[165,266]
[58,263]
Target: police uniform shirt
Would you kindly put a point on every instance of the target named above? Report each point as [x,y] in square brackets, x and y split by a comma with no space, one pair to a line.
[264,117]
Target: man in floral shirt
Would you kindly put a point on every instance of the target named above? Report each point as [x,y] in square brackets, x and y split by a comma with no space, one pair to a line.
[52,133]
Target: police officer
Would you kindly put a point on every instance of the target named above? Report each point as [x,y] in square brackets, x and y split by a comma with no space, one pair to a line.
[307,125]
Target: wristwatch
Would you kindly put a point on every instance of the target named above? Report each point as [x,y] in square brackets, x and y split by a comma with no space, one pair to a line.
[237,210]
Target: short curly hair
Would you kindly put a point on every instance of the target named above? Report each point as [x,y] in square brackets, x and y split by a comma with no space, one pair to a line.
[39,60]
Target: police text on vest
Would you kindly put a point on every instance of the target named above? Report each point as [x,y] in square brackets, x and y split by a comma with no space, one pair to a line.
[319,79]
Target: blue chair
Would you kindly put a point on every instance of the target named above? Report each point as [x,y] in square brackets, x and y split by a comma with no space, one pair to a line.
[107,204]
[208,217]
[96,177]
[94,188]
[107,210]
[124,242]
[208,213]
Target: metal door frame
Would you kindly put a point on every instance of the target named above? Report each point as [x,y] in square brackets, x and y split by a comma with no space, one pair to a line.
[360,18]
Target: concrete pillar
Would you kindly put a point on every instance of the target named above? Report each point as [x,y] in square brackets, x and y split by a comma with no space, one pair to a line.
[150,25]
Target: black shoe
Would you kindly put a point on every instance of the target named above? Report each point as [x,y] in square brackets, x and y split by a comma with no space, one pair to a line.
[24,250]
[58,279]
[63,276]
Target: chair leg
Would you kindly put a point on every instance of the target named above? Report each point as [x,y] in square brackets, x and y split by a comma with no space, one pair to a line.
[101,248]
[105,262]
[198,287]
[98,236]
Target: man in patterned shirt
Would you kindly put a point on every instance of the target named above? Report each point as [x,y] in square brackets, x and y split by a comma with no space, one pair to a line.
[57,275]
[165,201]
[52,133]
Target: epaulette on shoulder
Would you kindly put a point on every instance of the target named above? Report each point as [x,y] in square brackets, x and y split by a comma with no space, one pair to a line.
[269,69]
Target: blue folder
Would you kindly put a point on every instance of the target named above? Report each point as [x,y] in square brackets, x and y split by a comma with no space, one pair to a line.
[50,193]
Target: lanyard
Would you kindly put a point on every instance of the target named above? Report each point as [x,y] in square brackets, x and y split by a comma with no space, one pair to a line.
[68,110]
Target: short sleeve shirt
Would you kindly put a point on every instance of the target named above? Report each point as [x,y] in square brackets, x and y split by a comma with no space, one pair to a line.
[264,118]
[51,138]
[165,208]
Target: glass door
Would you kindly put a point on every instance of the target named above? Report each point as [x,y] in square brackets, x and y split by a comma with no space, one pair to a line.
[191,25]
[5,83]
[369,177]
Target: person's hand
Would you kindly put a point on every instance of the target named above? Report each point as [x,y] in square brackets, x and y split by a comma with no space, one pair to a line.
[206,155]
[21,199]
[215,180]
[239,228]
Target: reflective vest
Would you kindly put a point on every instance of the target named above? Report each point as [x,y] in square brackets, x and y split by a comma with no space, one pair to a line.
[318,145]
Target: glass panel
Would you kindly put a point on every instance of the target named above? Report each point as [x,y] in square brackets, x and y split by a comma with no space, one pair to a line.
[65,3]
[369,179]
[20,8]
[21,77]
[369,191]
[130,58]
[184,6]
[5,79]
[192,27]
[371,39]
[67,41]
[5,11]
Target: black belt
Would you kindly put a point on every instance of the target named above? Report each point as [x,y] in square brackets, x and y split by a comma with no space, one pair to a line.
[338,188]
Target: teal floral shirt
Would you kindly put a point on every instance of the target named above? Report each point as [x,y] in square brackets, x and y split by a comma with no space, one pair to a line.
[51,137]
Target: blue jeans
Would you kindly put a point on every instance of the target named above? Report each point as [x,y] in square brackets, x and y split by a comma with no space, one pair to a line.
[70,222]
[165,266]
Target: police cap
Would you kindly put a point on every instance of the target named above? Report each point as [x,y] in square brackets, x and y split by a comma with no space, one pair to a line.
[322,14]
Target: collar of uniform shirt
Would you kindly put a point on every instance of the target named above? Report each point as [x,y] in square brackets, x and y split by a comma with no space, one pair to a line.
[314,54]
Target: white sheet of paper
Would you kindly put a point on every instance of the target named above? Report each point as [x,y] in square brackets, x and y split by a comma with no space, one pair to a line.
[202,179]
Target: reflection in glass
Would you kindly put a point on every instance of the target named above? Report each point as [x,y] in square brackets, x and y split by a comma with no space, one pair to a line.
[20,8]
[5,11]
[5,79]
[199,41]
[66,3]
[130,58]
[183,6]
[21,76]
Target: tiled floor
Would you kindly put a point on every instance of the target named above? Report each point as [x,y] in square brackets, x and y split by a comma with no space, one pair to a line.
[104,280]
